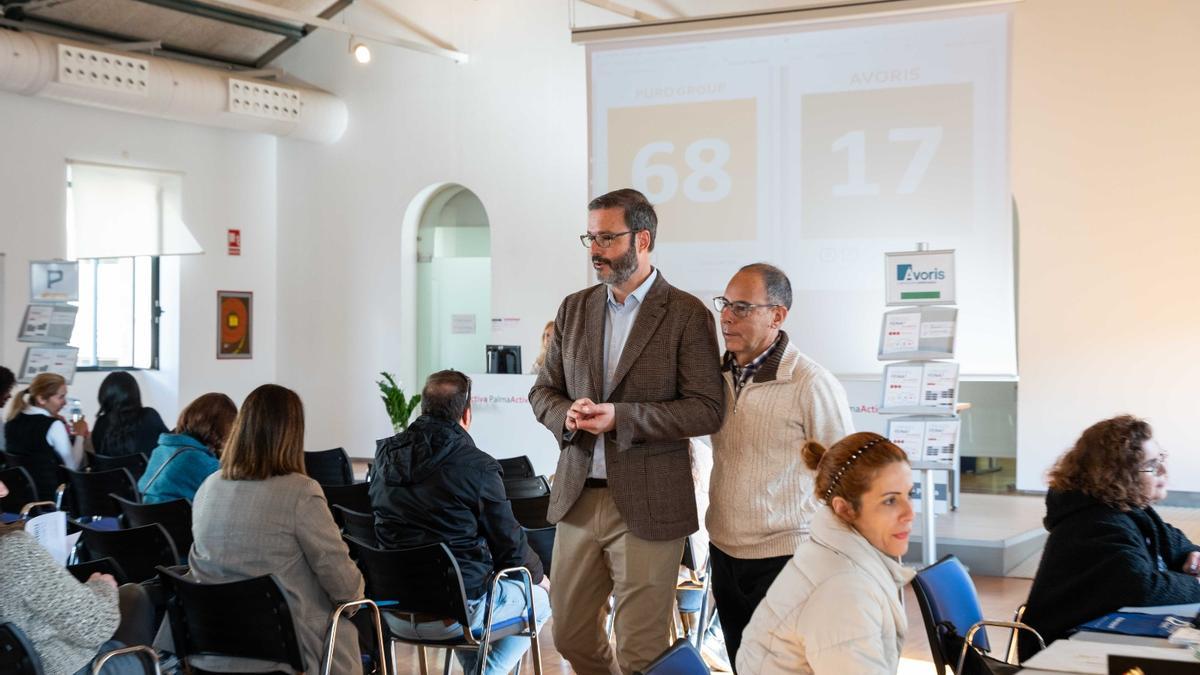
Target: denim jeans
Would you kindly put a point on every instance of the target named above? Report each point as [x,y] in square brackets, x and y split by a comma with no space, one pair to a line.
[503,654]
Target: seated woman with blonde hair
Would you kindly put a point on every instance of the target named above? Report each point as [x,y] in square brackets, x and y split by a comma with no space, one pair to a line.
[835,608]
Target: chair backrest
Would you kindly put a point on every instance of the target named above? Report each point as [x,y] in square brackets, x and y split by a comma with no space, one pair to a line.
[531,511]
[175,516]
[526,488]
[541,540]
[44,471]
[135,462]
[354,497]
[421,580]
[681,658]
[89,491]
[361,526]
[137,550]
[84,570]
[21,489]
[516,467]
[329,467]
[246,619]
[948,599]
[16,652]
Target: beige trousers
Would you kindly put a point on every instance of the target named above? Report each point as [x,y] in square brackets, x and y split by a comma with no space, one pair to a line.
[596,556]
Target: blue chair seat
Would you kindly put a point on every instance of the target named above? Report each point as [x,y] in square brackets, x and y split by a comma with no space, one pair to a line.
[7,518]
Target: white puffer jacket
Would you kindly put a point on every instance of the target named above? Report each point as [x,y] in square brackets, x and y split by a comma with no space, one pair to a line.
[833,610]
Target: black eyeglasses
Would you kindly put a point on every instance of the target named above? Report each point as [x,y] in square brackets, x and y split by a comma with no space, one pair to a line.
[740,309]
[1156,465]
[604,239]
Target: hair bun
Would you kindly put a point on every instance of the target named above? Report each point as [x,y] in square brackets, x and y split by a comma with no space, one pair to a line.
[812,452]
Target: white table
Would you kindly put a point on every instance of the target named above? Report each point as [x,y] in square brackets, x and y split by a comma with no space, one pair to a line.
[1132,640]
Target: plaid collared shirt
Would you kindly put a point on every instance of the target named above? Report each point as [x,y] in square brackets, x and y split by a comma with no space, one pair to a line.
[743,374]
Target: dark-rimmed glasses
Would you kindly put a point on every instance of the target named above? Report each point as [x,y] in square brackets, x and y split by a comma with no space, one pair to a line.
[1156,465]
[740,309]
[604,239]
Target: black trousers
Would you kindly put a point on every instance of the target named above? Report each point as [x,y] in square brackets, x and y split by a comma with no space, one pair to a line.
[738,585]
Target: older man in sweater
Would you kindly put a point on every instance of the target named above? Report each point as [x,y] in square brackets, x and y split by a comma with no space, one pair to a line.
[761,495]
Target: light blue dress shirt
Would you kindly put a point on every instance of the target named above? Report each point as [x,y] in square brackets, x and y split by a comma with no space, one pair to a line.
[618,321]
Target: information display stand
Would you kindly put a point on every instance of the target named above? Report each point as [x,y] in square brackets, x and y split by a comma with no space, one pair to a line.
[922,383]
[49,320]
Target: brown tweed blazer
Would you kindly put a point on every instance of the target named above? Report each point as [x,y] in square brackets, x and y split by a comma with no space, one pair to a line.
[667,389]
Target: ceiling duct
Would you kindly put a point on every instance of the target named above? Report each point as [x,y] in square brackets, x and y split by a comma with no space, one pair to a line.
[32,64]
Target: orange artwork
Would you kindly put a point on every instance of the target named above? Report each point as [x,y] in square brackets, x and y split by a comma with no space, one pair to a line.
[234,325]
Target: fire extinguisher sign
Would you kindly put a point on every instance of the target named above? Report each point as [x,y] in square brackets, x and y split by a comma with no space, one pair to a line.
[234,239]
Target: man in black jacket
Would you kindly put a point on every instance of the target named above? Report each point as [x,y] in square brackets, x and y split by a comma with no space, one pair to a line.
[433,485]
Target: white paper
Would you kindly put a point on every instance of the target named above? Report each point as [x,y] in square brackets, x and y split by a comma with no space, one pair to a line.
[60,360]
[1085,656]
[909,436]
[900,332]
[937,329]
[940,437]
[48,323]
[903,387]
[50,530]
[940,383]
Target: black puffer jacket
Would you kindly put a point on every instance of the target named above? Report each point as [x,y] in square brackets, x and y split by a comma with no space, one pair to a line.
[1099,559]
[433,485]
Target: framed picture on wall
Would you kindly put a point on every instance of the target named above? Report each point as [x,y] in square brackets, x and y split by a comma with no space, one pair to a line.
[235,324]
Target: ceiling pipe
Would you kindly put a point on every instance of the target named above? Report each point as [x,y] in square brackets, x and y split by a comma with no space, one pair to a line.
[174,90]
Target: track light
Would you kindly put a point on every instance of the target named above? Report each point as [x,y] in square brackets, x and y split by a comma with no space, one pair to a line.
[361,52]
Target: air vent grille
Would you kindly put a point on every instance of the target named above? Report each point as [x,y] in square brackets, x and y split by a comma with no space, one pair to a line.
[263,100]
[102,70]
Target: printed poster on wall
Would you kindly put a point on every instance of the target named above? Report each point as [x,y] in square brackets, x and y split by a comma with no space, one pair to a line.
[234,325]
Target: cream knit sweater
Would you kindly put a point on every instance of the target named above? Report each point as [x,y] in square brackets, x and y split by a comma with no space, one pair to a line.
[761,494]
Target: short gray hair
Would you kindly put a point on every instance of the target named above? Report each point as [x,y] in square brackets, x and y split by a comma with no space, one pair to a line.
[779,289]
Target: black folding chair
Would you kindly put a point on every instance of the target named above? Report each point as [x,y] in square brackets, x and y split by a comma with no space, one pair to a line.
[84,570]
[541,540]
[354,497]
[361,526]
[329,467]
[137,550]
[175,516]
[516,467]
[247,619]
[89,493]
[21,490]
[17,656]
[531,511]
[44,471]
[418,583]
[135,462]
[526,488]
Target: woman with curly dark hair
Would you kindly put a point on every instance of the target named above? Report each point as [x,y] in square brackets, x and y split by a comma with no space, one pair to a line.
[1108,548]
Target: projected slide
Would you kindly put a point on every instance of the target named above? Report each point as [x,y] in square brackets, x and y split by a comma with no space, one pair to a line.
[818,149]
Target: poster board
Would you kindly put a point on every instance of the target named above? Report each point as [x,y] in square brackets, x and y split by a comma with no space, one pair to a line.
[48,323]
[59,359]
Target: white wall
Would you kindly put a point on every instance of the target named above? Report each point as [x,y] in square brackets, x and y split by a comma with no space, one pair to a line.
[1105,177]
[511,126]
[229,182]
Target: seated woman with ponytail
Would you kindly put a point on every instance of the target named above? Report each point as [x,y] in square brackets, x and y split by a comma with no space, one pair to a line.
[835,608]
[38,437]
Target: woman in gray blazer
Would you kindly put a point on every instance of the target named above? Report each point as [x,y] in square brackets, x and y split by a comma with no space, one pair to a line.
[261,515]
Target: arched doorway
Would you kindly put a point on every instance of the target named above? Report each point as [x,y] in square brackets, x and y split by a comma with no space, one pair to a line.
[453,280]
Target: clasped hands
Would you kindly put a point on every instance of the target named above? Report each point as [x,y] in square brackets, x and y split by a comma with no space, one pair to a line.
[595,418]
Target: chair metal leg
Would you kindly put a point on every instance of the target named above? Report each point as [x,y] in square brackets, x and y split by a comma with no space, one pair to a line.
[449,662]
[141,650]
[422,660]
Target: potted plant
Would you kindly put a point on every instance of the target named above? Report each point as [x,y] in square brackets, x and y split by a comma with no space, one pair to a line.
[399,407]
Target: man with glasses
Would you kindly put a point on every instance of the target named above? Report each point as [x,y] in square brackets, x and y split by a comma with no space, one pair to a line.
[776,400]
[433,485]
[631,373]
